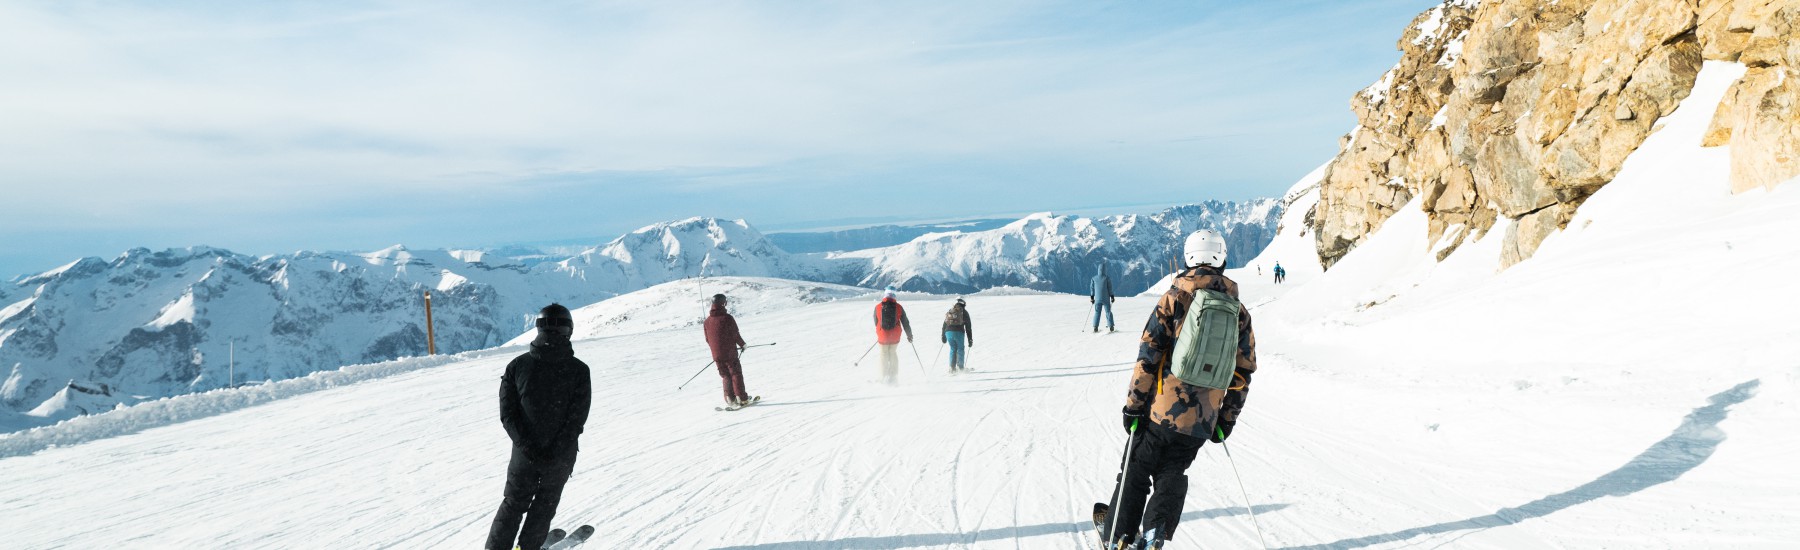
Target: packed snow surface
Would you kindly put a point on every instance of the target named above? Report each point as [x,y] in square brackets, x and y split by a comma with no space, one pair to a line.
[1630,386]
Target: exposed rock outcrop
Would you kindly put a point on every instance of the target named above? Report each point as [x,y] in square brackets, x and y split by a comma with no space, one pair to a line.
[1525,109]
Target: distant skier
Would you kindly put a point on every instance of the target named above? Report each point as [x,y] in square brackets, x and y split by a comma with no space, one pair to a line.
[544,398]
[1169,418]
[957,331]
[1280,274]
[1100,294]
[722,336]
[890,321]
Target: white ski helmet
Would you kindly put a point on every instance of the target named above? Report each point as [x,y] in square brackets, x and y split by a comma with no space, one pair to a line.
[1204,247]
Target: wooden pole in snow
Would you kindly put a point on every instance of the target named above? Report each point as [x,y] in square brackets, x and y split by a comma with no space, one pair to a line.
[430,332]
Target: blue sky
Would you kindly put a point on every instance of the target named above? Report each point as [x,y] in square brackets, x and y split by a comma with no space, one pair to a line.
[273,127]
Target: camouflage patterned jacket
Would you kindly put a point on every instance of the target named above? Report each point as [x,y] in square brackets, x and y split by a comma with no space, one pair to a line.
[1190,410]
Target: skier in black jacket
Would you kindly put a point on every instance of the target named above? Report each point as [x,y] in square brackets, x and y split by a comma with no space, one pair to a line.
[544,398]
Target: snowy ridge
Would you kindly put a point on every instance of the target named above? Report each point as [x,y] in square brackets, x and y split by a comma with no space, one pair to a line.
[685,304]
[1062,253]
[688,248]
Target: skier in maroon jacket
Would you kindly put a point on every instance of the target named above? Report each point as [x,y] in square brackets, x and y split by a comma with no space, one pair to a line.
[722,336]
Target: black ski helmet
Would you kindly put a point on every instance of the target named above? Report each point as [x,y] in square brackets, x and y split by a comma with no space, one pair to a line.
[555,320]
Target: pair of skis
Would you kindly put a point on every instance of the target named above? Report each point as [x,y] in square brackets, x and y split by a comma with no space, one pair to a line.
[753,401]
[562,540]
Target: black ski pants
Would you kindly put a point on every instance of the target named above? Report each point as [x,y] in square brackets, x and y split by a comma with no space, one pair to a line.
[1159,459]
[533,490]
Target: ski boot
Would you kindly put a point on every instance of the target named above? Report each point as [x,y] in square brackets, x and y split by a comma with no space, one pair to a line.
[1152,540]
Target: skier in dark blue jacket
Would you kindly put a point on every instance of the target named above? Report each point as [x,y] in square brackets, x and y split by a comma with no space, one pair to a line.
[1100,293]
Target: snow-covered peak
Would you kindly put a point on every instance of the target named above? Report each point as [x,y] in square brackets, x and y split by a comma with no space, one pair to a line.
[686,248]
[397,254]
[179,311]
[79,398]
[1045,251]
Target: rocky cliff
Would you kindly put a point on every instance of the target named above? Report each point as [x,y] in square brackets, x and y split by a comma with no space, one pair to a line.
[1523,109]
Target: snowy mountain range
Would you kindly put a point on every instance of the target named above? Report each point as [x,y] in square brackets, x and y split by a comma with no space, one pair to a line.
[844,240]
[94,334]
[1062,253]
[152,324]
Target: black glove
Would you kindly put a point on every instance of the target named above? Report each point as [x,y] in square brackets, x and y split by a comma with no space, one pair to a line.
[943,340]
[971,342]
[1090,299]
[1222,430]
[1132,419]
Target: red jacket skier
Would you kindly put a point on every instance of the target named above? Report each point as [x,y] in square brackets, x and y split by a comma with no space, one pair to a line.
[722,336]
[890,325]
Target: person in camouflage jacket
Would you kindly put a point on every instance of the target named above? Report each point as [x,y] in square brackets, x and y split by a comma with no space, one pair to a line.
[1167,418]
[1167,401]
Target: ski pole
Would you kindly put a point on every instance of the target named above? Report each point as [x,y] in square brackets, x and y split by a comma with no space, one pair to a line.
[1112,533]
[935,356]
[916,359]
[696,375]
[865,355]
[1240,480]
[710,363]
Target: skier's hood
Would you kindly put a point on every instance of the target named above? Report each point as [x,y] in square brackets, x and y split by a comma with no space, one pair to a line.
[719,309]
[1102,269]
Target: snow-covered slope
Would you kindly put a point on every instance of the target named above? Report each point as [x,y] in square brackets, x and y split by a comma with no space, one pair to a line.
[1062,253]
[685,303]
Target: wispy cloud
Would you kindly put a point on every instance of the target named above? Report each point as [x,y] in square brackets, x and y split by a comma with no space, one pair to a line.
[116,114]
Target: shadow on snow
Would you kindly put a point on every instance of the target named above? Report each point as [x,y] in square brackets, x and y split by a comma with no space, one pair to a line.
[1690,445]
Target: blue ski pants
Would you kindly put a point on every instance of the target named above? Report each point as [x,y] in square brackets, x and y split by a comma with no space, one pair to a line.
[957,355]
[1106,307]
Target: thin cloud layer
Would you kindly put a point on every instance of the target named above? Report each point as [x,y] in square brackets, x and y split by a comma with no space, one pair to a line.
[274,119]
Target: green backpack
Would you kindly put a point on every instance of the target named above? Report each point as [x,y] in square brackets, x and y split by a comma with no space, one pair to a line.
[1207,349]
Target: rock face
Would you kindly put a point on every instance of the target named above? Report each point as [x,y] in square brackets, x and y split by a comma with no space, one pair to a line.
[1525,109]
